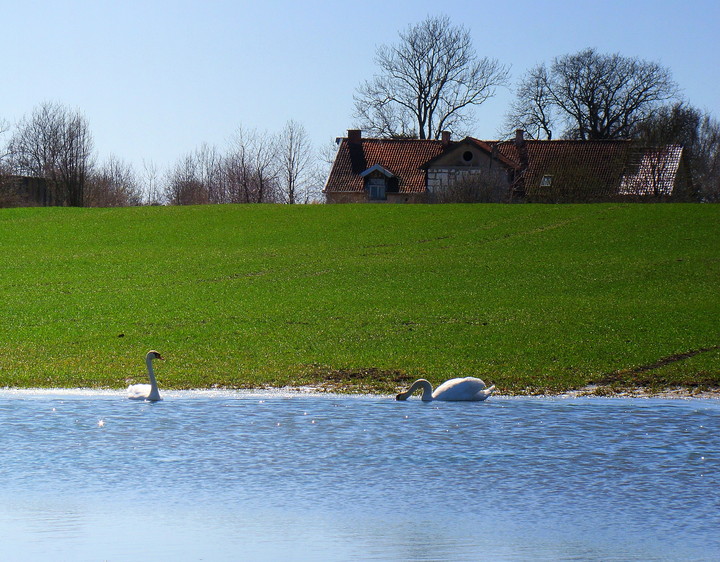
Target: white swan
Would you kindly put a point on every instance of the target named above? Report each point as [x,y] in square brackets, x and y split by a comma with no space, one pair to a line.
[146,391]
[468,388]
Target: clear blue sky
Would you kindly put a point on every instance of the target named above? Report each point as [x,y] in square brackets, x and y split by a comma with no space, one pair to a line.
[155,79]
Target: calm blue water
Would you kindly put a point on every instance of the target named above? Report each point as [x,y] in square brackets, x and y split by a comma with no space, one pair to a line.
[263,476]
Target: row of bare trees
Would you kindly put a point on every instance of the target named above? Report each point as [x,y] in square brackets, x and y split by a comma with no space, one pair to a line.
[54,146]
[256,168]
[50,159]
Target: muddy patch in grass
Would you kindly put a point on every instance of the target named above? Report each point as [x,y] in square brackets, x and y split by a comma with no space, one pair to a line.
[369,379]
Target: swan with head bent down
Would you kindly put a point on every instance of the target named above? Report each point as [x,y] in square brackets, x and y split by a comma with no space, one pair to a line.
[468,388]
[146,391]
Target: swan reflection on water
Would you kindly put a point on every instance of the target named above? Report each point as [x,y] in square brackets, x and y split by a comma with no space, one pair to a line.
[468,389]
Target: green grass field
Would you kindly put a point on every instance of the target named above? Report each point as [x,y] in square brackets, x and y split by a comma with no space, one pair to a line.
[533,298]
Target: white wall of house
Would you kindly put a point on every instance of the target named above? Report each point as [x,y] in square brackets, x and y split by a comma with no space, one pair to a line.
[464,163]
[439,179]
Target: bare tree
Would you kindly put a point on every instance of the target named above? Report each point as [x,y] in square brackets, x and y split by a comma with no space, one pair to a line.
[428,82]
[4,152]
[264,176]
[114,184]
[706,158]
[295,163]
[591,95]
[250,168]
[210,170]
[183,183]
[698,133]
[55,143]
[239,173]
[531,111]
[197,178]
[7,195]
[151,190]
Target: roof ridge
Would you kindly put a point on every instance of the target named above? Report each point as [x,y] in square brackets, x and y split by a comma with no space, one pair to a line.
[380,139]
[558,141]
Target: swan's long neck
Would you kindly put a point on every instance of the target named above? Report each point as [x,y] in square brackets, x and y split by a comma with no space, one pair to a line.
[154,393]
[420,383]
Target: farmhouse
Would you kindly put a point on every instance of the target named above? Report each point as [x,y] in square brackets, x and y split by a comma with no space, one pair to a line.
[419,170]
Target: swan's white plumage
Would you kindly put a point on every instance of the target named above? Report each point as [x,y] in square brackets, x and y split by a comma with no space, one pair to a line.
[466,389]
[139,391]
[146,391]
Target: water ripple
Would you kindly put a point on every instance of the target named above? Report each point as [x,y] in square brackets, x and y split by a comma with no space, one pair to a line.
[283,475]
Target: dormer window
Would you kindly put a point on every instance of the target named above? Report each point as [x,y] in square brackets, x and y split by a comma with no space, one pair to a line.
[378,181]
[546,181]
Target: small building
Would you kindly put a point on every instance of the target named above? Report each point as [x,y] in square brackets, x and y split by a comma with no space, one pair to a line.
[24,191]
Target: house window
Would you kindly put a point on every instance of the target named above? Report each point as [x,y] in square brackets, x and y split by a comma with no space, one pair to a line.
[467,156]
[546,181]
[376,189]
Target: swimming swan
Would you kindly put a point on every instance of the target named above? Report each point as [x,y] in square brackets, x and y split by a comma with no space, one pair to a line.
[146,391]
[468,388]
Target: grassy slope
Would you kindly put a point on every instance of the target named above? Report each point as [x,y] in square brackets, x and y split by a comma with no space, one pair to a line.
[529,297]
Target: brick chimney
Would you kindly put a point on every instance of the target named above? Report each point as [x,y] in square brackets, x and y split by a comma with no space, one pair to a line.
[518,188]
[445,136]
[521,147]
[354,136]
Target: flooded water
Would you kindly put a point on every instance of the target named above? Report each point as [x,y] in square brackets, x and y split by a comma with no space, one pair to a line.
[268,476]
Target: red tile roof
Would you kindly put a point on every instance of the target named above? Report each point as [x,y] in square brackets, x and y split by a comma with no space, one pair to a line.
[403,157]
[656,173]
[595,167]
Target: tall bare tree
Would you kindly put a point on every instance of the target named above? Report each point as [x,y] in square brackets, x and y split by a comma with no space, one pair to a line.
[152,194]
[428,82]
[590,96]
[295,163]
[210,168]
[55,143]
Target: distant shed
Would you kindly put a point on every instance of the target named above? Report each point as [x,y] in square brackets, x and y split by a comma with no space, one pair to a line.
[24,191]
